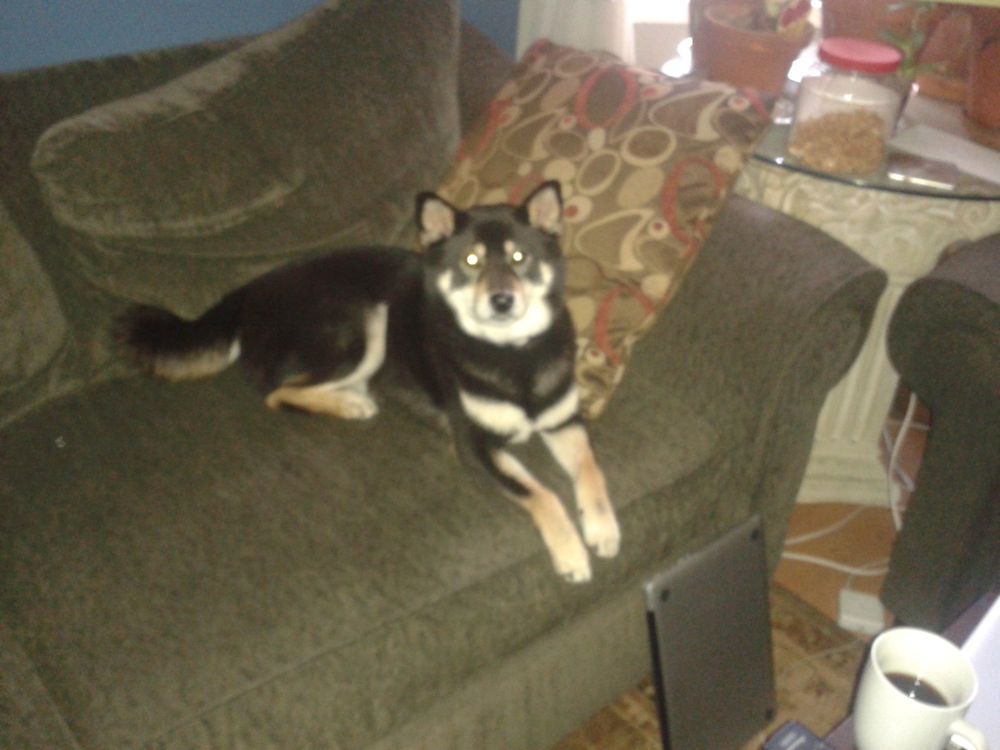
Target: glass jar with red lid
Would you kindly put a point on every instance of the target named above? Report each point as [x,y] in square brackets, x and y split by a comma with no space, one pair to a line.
[847,107]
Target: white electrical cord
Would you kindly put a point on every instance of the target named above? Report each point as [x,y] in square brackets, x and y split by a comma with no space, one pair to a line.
[835,526]
[904,427]
[863,571]
[901,473]
[894,470]
[880,565]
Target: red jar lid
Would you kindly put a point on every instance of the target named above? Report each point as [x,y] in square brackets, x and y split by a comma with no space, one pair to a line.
[860,55]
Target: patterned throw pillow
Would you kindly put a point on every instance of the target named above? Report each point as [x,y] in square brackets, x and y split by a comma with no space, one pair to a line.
[645,163]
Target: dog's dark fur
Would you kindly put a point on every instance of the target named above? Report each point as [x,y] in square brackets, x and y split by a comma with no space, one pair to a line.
[478,321]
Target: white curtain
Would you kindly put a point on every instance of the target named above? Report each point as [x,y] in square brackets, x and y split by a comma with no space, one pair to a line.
[584,24]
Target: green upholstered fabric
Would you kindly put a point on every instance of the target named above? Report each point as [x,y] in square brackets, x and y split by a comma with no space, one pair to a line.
[209,558]
[189,569]
[180,567]
[32,326]
[408,116]
[249,159]
[31,101]
[944,340]
[28,717]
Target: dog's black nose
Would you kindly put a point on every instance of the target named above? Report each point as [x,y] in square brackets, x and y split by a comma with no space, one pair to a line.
[502,302]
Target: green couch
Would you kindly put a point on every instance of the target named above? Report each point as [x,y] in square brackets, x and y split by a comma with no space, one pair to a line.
[944,340]
[181,568]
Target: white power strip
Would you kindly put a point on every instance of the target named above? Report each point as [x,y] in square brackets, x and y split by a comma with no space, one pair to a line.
[861,612]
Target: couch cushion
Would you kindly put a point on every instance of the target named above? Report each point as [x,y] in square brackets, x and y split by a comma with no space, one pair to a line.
[645,163]
[32,326]
[322,130]
[186,568]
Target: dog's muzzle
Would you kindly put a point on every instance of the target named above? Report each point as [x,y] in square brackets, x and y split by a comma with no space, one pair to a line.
[502,302]
[500,294]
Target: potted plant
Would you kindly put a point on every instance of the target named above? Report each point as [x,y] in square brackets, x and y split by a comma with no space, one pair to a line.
[866,19]
[752,44]
[982,97]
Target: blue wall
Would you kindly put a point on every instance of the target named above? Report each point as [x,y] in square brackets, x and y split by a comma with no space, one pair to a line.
[45,32]
[496,18]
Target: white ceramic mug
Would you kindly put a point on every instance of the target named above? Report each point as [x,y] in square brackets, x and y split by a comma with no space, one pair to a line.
[896,707]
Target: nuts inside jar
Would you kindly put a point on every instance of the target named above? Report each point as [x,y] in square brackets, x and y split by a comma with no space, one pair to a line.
[849,143]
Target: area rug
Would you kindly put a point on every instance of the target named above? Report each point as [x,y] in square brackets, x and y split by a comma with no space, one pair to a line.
[815,666]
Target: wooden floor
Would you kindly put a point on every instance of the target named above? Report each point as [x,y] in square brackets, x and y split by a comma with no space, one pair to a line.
[863,535]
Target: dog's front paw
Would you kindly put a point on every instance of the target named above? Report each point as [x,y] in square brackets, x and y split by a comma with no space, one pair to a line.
[600,530]
[571,561]
[597,516]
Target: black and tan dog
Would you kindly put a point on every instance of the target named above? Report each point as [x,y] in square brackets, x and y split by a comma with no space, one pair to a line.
[479,321]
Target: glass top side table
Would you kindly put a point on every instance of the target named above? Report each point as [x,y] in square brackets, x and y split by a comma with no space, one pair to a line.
[901,226]
[903,172]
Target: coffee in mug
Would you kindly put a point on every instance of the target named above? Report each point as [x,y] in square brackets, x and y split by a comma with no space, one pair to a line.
[914,687]
[914,692]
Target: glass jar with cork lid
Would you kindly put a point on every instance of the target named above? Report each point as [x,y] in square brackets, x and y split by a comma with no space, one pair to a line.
[847,107]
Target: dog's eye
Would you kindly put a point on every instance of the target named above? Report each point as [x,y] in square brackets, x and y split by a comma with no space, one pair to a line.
[517,257]
[472,260]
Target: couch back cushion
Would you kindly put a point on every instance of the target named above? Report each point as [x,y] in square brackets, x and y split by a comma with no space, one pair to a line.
[320,131]
[645,163]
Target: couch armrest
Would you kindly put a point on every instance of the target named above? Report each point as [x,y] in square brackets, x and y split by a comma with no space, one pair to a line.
[769,298]
[770,317]
[944,339]
[944,336]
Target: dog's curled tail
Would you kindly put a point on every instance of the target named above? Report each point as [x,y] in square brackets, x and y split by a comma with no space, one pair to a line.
[173,348]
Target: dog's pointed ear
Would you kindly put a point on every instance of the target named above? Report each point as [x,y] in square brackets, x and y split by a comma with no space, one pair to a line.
[543,208]
[436,218]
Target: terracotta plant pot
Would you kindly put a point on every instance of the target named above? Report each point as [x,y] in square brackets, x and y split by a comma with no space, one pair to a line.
[982,91]
[865,19]
[696,17]
[744,57]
